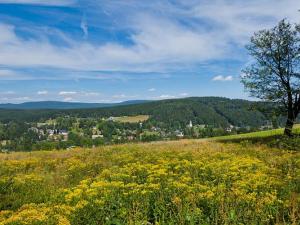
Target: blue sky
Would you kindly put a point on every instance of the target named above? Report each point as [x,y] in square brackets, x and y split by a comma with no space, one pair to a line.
[116,50]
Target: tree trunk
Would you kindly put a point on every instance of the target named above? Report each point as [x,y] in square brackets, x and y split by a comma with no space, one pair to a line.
[289,126]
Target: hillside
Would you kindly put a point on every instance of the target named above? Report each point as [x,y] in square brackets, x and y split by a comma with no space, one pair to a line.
[257,135]
[214,111]
[65,105]
[178,182]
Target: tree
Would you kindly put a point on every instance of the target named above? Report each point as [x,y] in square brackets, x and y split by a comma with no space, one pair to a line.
[274,74]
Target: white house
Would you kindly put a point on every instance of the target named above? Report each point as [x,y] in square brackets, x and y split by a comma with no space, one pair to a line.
[95,136]
[179,134]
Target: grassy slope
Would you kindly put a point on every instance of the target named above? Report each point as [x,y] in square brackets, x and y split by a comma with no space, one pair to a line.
[131,119]
[178,182]
[259,134]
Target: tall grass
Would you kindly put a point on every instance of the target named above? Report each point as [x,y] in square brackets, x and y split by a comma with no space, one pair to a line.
[180,182]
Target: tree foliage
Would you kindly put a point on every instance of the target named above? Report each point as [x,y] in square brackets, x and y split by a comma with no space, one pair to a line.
[274,74]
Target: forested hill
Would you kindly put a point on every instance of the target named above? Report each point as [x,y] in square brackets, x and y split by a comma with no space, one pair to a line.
[214,111]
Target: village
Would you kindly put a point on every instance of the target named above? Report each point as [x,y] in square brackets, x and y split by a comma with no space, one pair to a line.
[68,132]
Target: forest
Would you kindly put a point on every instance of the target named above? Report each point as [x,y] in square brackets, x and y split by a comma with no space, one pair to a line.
[26,130]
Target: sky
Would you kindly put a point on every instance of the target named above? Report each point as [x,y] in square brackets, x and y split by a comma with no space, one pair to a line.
[118,50]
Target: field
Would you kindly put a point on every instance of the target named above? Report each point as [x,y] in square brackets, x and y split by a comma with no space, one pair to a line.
[131,119]
[178,182]
[259,134]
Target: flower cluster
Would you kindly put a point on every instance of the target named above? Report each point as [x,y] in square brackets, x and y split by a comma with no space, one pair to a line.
[186,182]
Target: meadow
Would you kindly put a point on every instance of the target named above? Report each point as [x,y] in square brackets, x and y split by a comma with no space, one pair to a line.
[177,182]
[257,135]
[131,119]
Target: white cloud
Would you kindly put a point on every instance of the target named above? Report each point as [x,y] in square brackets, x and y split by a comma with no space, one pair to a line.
[151,89]
[90,93]
[222,78]
[4,99]
[166,96]
[68,99]
[14,98]
[170,96]
[42,95]
[25,98]
[42,92]
[84,27]
[7,73]
[8,93]
[160,41]
[124,96]
[80,96]
[183,94]
[39,2]
[237,20]
[159,45]
[67,93]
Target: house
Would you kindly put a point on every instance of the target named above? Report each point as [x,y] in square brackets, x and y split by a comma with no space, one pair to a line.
[57,134]
[111,118]
[153,128]
[50,132]
[95,136]
[63,132]
[229,129]
[179,134]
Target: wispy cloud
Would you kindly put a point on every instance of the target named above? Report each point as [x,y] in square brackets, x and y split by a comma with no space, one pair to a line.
[40,2]
[222,78]
[7,73]
[22,99]
[184,94]
[64,93]
[180,36]
[124,96]
[7,93]
[158,46]
[68,99]
[88,94]
[166,96]
[151,89]
[44,92]
[84,27]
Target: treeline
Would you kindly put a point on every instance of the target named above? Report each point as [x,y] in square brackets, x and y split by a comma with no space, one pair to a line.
[212,111]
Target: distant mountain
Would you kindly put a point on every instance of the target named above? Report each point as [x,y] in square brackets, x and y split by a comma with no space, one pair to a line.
[66,105]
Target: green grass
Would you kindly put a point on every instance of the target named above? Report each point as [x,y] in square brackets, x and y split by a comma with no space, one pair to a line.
[273,138]
[259,134]
[131,119]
